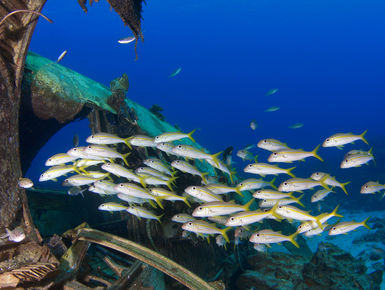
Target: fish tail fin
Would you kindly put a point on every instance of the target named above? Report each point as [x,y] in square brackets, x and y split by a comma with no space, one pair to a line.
[231,175]
[125,158]
[334,212]
[152,203]
[363,137]
[364,223]
[142,181]
[157,200]
[82,169]
[289,171]
[256,158]
[298,199]
[190,135]
[186,201]
[224,234]
[318,221]
[238,191]
[170,182]
[272,183]
[314,152]
[274,213]
[248,204]
[127,142]
[215,157]
[159,217]
[343,187]
[203,176]
[292,239]
[174,172]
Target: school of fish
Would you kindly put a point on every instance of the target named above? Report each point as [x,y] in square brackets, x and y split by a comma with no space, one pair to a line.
[211,207]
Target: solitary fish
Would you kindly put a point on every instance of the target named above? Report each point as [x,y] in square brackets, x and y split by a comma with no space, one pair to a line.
[173,136]
[296,126]
[25,182]
[127,39]
[271,237]
[253,125]
[345,227]
[175,73]
[372,187]
[272,109]
[340,139]
[271,92]
[61,56]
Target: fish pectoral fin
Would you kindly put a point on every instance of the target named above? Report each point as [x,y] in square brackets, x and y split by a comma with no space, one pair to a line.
[341,147]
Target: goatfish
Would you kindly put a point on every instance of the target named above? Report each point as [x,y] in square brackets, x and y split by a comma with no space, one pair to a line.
[290,155]
[316,231]
[175,73]
[141,141]
[271,237]
[165,147]
[271,194]
[79,180]
[148,171]
[372,187]
[112,206]
[168,195]
[56,171]
[203,227]
[340,139]
[106,139]
[24,182]
[59,159]
[106,152]
[194,153]
[299,184]
[329,180]
[173,136]
[244,154]
[152,180]
[202,193]
[291,212]
[272,145]
[357,160]
[353,152]
[131,199]
[253,183]
[264,169]
[345,227]
[320,195]
[127,39]
[248,217]
[182,218]
[84,163]
[219,188]
[186,167]
[219,208]
[136,191]
[158,164]
[141,212]
[106,186]
[79,152]
[220,220]
[323,218]
[272,109]
[98,190]
[122,171]
[283,201]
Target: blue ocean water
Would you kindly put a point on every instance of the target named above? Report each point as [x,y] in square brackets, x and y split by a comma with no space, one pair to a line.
[325,57]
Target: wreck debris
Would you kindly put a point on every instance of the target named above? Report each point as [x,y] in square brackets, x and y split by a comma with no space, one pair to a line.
[25,11]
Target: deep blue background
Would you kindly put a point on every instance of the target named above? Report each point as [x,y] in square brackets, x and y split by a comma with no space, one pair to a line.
[326,57]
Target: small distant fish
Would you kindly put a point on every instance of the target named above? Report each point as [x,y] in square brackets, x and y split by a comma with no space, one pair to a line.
[61,56]
[296,126]
[16,235]
[345,227]
[25,182]
[340,139]
[127,39]
[372,187]
[76,190]
[175,73]
[260,248]
[253,125]
[182,218]
[220,241]
[320,195]
[75,140]
[244,154]
[272,109]
[271,92]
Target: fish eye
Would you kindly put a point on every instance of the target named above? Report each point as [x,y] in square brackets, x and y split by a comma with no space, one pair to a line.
[300,227]
[280,206]
[121,185]
[152,161]
[250,165]
[177,215]
[232,218]
[327,140]
[366,186]
[257,235]
[275,153]
[334,229]
[264,141]
[74,149]
[346,161]
[89,146]
[190,223]
[194,188]
[179,146]
[49,159]
[241,184]
[200,208]
[157,137]
[285,183]
[92,136]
